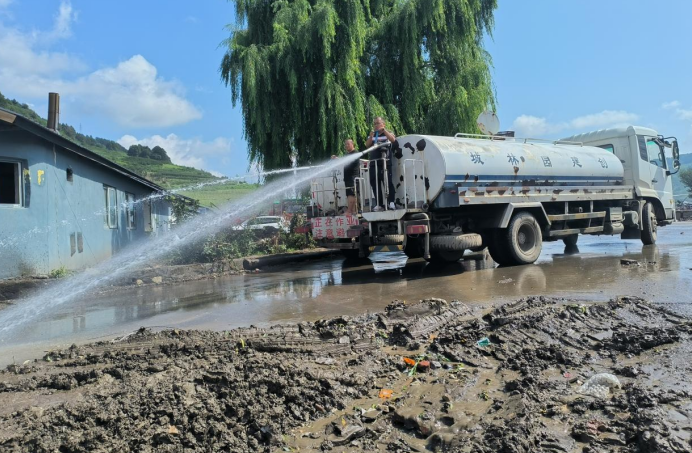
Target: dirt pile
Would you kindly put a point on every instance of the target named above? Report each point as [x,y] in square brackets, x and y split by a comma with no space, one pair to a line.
[426,376]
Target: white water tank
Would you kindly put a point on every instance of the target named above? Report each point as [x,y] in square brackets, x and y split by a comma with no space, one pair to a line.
[477,164]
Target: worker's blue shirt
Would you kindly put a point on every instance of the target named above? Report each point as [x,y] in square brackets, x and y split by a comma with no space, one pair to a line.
[378,138]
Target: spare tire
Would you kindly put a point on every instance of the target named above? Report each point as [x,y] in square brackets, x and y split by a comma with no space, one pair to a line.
[388,239]
[455,242]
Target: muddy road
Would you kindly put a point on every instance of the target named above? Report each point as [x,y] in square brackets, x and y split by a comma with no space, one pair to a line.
[333,287]
[536,375]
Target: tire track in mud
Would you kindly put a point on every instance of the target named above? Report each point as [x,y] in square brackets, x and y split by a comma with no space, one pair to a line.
[317,386]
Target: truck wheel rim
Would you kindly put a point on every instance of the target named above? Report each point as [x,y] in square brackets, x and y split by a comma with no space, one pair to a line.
[526,238]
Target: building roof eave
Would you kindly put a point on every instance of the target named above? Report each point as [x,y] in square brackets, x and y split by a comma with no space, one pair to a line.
[57,139]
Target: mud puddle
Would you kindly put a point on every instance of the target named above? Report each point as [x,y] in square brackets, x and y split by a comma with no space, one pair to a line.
[429,376]
[335,287]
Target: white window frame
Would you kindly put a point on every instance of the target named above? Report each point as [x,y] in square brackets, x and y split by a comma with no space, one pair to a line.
[130,212]
[20,192]
[111,216]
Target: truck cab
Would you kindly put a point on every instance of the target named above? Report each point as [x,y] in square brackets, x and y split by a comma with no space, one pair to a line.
[642,153]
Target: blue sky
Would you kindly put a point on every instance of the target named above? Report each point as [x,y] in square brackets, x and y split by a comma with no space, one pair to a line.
[147,71]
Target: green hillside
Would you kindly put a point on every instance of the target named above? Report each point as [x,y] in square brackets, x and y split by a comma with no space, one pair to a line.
[158,170]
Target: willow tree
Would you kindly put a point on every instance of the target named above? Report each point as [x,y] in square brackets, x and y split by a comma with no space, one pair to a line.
[310,73]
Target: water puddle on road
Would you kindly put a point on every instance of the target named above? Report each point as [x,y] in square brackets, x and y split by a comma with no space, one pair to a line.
[334,286]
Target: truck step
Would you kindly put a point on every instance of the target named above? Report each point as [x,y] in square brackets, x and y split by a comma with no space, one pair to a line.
[576,216]
[571,231]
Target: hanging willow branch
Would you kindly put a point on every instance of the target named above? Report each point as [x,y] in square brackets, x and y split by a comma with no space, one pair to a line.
[310,73]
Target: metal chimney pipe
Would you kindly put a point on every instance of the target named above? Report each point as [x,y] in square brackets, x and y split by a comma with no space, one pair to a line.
[53,111]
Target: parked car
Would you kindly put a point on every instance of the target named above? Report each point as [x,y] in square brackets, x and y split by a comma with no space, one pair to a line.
[268,222]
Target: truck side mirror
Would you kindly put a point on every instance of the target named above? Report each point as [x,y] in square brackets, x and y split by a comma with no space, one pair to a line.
[676,156]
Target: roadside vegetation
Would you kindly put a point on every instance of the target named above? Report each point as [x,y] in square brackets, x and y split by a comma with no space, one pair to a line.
[685,176]
[59,272]
[233,243]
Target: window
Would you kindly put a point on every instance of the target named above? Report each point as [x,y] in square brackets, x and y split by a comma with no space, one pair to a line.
[651,151]
[641,140]
[609,148]
[70,174]
[10,183]
[111,218]
[130,211]
[656,155]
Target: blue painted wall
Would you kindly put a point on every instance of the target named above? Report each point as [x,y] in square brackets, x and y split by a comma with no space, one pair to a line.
[36,237]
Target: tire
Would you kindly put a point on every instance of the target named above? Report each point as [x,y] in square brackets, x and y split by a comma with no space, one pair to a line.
[354,254]
[649,234]
[389,239]
[414,248]
[522,240]
[571,240]
[444,256]
[455,242]
[495,248]
[350,254]
[450,248]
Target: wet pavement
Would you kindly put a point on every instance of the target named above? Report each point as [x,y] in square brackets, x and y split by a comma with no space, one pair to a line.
[332,287]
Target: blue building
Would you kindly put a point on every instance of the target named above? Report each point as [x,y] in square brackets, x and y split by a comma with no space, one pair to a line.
[63,206]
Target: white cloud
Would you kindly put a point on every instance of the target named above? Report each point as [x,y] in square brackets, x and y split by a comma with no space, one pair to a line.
[134,95]
[62,26]
[680,113]
[607,118]
[533,126]
[190,152]
[20,62]
[131,93]
[670,105]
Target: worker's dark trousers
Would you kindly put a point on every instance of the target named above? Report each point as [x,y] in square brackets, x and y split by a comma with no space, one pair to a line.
[378,191]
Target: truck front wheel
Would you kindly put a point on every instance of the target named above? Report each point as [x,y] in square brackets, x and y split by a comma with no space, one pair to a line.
[522,240]
[649,234]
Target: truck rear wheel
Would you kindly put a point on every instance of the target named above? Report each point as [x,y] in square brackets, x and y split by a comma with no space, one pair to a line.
[495,247]
[354,254]
[445,256]
[571,240]
[522,241]
[414,247]
[649,234]
[350,254]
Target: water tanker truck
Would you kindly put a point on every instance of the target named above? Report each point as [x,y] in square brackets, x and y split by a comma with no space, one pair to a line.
[468,192]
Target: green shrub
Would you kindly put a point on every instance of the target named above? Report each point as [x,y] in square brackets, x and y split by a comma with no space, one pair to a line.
[59,272]
[230,244]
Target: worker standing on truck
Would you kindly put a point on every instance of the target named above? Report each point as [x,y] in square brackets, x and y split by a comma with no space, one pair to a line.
[378,159]
[351,172]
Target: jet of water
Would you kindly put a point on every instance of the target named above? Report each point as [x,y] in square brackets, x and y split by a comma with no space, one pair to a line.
[138,254]
[216,182]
